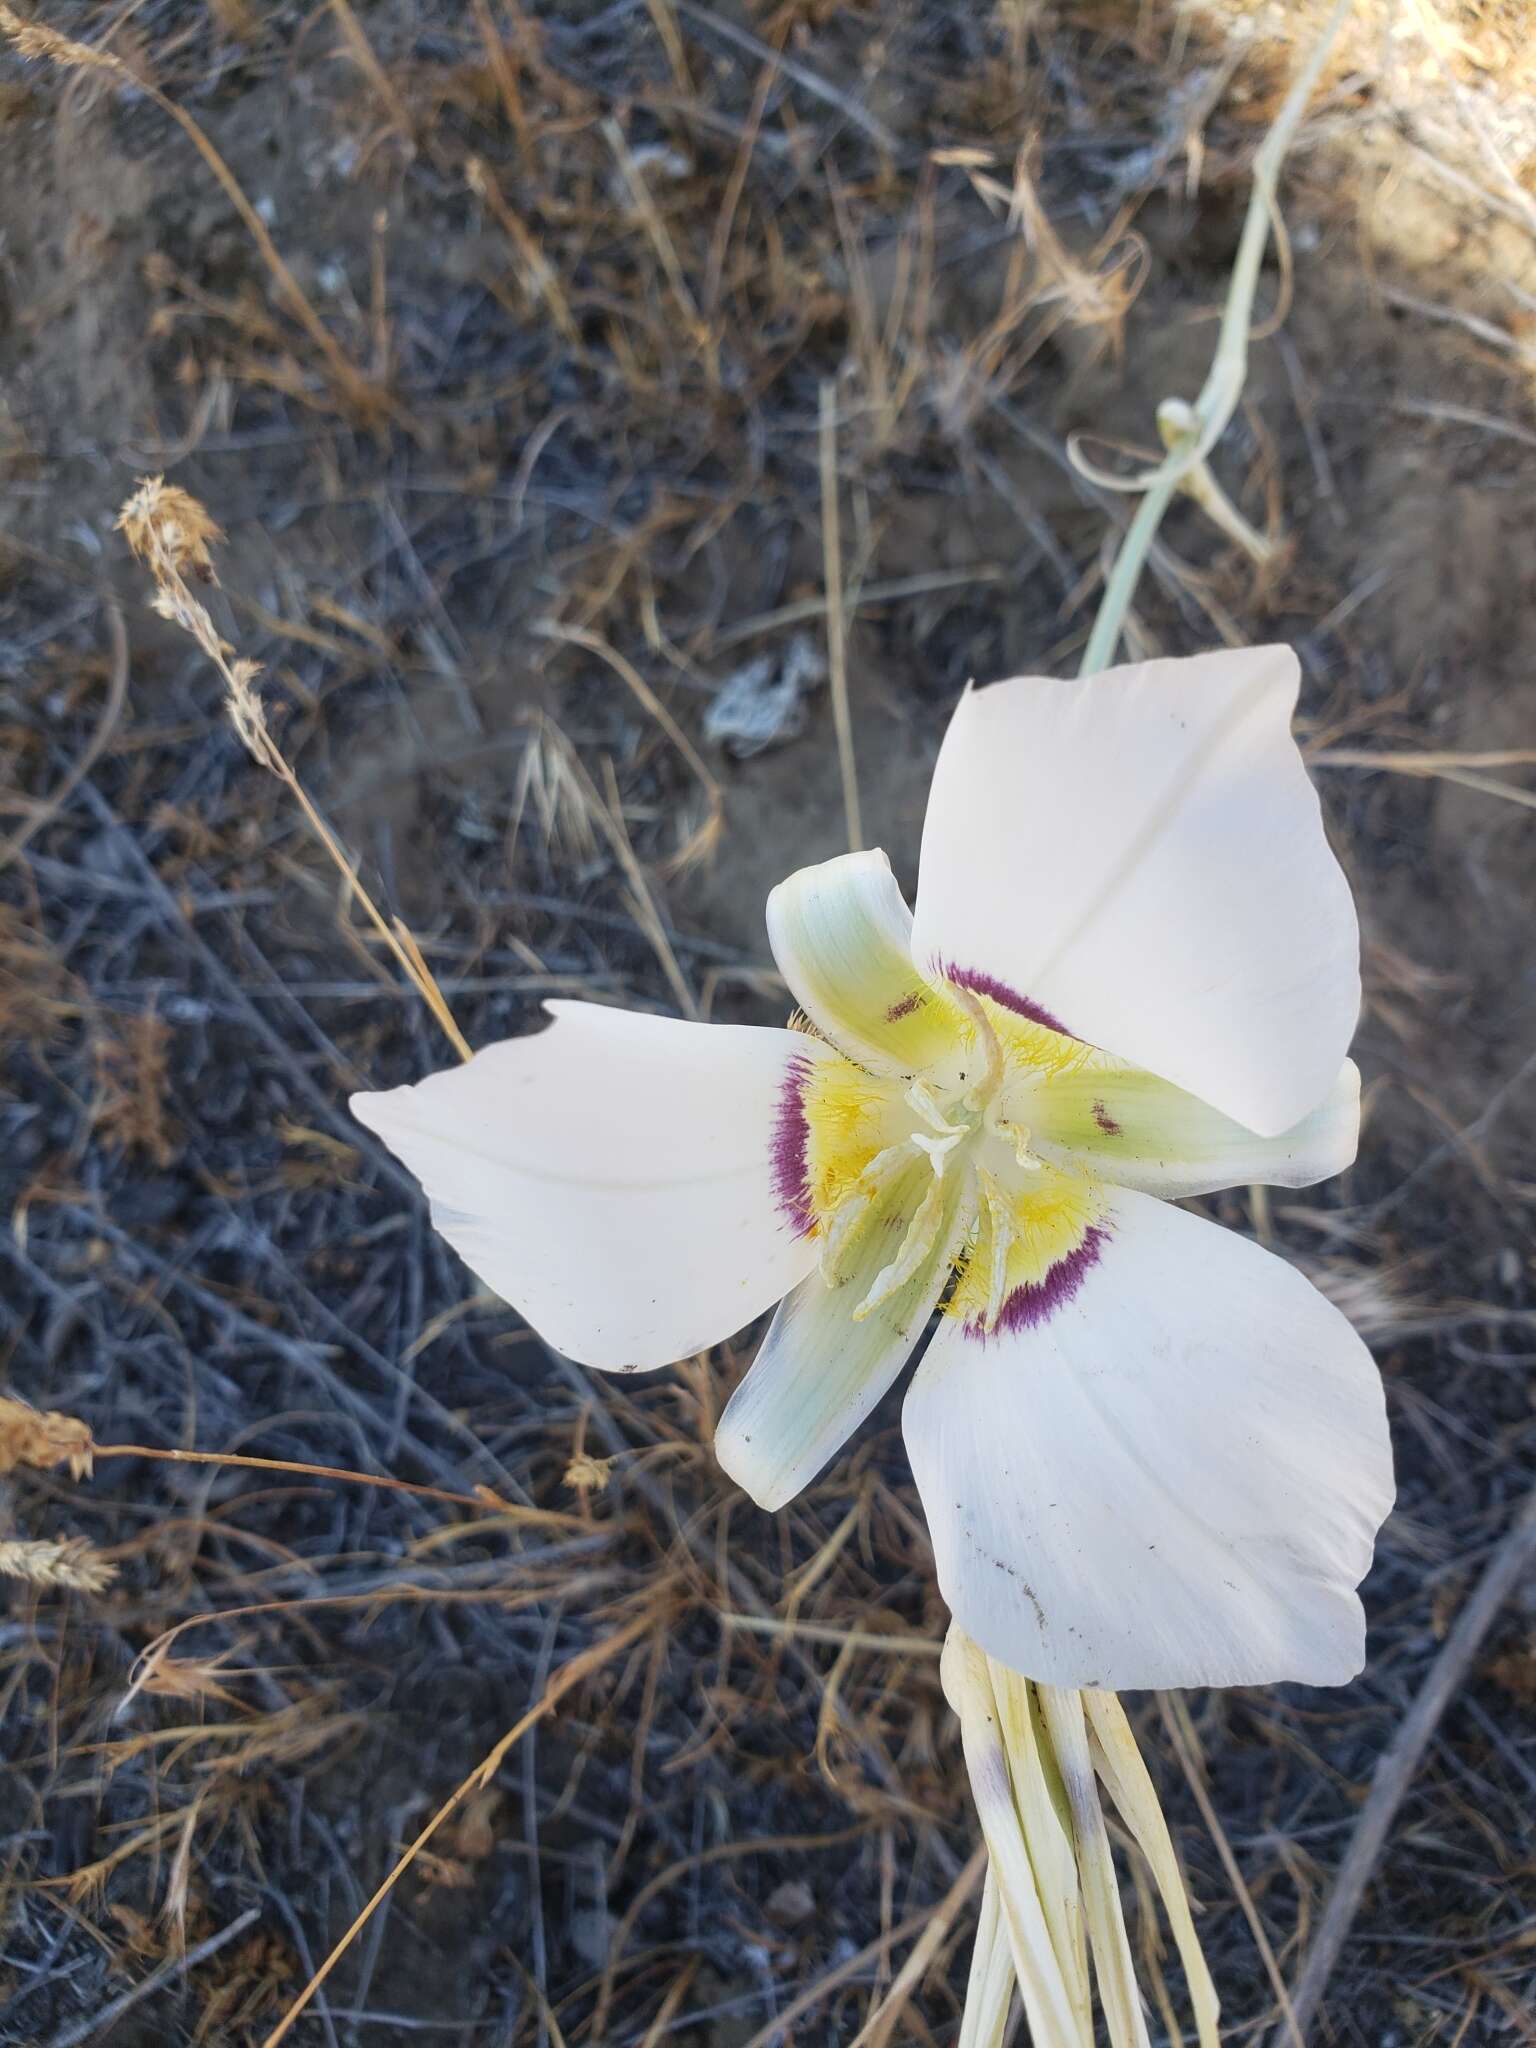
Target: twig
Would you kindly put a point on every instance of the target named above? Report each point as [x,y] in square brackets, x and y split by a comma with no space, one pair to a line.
[1462,416]
[837,663]
[815,1994]
[610,817]
[843,1638]
[805,609]
[1463,769]
[1400,1760]
[655,227]
[367,62]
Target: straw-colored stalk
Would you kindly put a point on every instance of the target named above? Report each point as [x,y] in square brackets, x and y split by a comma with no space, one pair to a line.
[172,534]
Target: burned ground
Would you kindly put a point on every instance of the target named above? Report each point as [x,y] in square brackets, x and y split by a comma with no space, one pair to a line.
[520,472]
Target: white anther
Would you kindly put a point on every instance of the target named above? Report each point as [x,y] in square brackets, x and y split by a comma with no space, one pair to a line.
[857,1206]
[916,1249]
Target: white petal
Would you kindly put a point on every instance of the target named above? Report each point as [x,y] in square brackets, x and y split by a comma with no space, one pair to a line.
[612,1177]
[841,934]
[1142,856]
[820,1372]
[1135,1131]
[1175,1478]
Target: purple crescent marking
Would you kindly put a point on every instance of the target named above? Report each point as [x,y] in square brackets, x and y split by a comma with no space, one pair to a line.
[1038,1300]
[791,1135]
[1105,1121]
[1005,997]
[904,1008]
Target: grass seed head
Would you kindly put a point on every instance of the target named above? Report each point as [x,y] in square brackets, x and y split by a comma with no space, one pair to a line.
[586,1474]
[42,1437]
[170,531]
[71,1563]
[246,711]
[32,39]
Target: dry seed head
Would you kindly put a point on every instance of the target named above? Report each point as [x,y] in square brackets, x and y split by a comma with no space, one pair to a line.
[72,1562]
[246,711]
[169,530]
[31,39]
[586,1474]
[190,1678]
[42,1437]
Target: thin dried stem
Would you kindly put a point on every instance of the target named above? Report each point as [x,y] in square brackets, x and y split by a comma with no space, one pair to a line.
[172,534]
[703,840]
[1176,1720]
[483,1499]
[367,62]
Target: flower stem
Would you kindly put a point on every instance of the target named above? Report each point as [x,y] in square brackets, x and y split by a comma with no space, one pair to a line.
[1125,575]
[1223,386]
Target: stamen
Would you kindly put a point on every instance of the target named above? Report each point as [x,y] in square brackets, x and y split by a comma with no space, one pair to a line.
[916,1249]
[854,1211]
[1000,1217]
[982,1092]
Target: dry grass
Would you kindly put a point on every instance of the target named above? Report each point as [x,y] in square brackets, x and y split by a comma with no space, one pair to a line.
[497,339]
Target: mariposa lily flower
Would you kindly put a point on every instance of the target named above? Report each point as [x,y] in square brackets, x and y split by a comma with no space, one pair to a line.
[1150,1452]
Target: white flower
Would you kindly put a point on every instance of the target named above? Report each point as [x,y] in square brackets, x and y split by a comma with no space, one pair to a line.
[1151,1454]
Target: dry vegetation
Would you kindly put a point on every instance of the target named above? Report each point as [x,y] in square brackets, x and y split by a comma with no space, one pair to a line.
[522,352]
